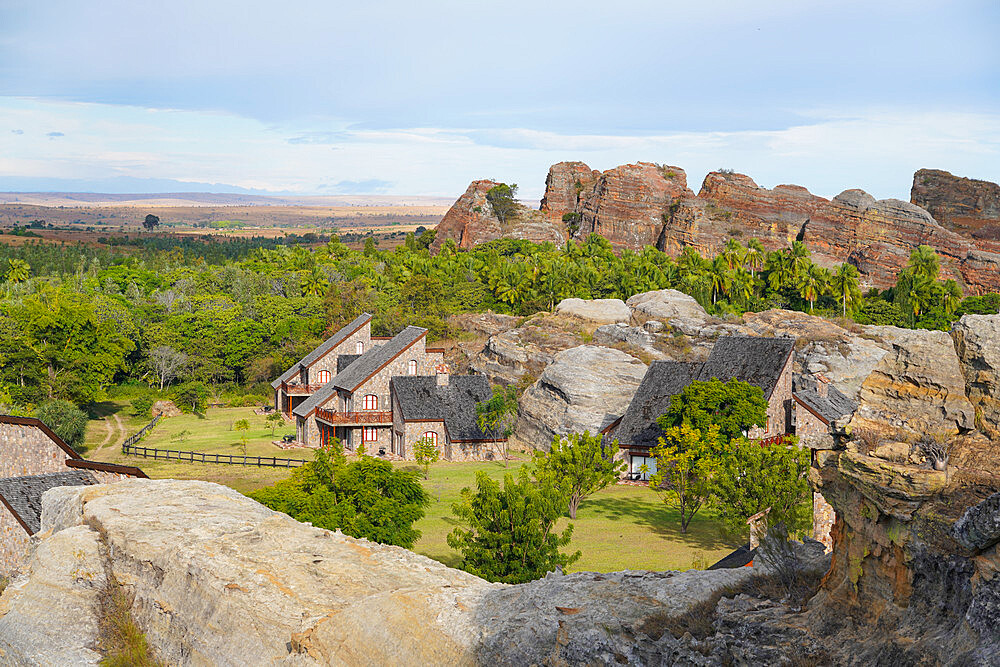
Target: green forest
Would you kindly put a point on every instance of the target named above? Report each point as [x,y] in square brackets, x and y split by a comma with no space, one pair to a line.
[80,322]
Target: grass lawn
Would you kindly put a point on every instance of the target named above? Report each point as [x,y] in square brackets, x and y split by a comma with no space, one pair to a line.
[619,528]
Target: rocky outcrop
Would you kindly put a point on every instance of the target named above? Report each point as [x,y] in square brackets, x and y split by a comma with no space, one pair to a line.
[522,353]
[977,340]
[221,580]
[565,184]
[964,205]
[470,222]
[600,311]
[585,389]
[917,387]
[628,203]
[667,305]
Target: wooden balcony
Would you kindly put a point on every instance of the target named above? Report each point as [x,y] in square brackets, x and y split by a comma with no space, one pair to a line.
[353,418]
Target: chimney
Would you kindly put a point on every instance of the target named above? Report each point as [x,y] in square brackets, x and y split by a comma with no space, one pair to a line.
[758,528]
[442,379]
[822,384]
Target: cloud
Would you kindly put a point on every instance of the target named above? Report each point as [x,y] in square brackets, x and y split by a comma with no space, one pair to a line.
[320,138]
[366,187]
[53,135]
[17,131]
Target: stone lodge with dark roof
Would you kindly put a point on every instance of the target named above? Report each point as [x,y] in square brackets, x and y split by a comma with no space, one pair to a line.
[34,459]
[383,394]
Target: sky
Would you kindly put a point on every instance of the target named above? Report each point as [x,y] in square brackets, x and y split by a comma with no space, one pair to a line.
[317,97]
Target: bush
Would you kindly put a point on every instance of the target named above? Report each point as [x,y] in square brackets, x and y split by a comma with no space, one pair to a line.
[68,421]
[877,311]
[141,406]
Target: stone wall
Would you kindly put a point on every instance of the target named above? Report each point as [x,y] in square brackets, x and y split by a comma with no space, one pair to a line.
[14,541]
[810,429]
[328,361]
[27,450]
[823,519]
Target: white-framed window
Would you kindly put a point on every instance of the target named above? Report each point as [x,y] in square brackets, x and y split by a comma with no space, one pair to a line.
[369,402]
[369,434]
[636,464]
[359,348]
[323,376]
[411,367]
[432,436]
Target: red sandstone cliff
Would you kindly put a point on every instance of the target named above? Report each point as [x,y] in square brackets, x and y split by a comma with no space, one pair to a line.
[964,205]
[565,184]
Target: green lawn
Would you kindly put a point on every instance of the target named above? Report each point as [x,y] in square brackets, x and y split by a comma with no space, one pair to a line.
[619,528]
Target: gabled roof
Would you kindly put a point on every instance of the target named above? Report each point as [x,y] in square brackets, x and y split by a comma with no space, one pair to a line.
[741,557]
[365,366]
[422,399]
[663,379]
[39,424]
[752,359]
[345,360]
[324,347]
[828,408]
[756,360]
[23,495]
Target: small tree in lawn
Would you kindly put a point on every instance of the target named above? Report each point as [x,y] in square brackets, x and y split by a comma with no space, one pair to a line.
[242,425]
[496,417]
[151,222]
[579,465]
[274,419]
[425,451]
[685,465]
[192,397]
[511,534]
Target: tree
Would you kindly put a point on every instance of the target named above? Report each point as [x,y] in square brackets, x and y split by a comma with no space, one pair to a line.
[274,419]
[511,534]
[68,421]
[685,465]
[924,262]
[734,407]
[314,283]
[242,426]
[811,283]
[425,451]
[167,363]
[845,285]
[752,477]
[496,417]
[141,406]
[579,465]
[367,498]
[18,271]
[151,222]
[502,202]
[753,258]
[192,397]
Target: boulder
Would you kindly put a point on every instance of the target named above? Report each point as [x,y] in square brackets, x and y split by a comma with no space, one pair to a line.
[164,408]
[469,220]
[513,355]
[639,338]
[977,340]
[979,527]
[667,305]
[917,387]
[601,311]
[584,389]
[897,489]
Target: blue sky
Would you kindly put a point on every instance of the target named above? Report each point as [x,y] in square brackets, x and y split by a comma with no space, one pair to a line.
[420,98]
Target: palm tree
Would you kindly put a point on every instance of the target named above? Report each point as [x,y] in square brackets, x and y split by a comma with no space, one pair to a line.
[753,258]
[845,285]
[924,262]
[812,283]
[733,254]
[742,286]
[952,296]
[800,257]
[19,271]
[779,270]
[721,278]
[314,283]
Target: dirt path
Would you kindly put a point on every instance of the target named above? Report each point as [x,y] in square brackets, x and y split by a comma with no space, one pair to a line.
[107,438]
[122,433]
[118,426]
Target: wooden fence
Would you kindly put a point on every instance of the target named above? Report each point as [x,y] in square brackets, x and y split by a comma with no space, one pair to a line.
[201,457]
[137,436]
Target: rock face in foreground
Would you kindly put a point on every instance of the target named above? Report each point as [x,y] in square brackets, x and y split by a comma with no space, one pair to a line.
[221,580]
[585,389]
[977,339]
[964,205]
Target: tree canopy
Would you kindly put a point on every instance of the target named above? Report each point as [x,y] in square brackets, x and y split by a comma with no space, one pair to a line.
[579,465]
[734,407]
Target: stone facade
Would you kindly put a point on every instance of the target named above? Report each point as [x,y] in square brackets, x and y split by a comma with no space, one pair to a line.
[811,431]
[328,362]
[28,450]
[14,541]
[823,519]
[779,406]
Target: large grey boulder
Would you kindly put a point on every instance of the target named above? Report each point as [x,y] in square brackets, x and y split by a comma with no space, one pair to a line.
[917,386]
[584,389]
[667,304]
[977,340]
[599,311]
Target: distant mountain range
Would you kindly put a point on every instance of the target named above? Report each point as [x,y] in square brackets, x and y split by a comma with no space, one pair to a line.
[211,199]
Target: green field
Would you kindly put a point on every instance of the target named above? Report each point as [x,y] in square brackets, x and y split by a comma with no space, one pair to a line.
[621,527]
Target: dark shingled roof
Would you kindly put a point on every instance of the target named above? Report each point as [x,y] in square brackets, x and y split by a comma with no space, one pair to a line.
[421,399]
[345,360]
[663,379]
[751,359]
[739,558]
[324,347]
[748,358]
[23,495]
[831,407]
[363,368]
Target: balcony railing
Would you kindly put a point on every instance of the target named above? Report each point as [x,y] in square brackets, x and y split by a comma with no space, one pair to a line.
[373,417]
[299,389]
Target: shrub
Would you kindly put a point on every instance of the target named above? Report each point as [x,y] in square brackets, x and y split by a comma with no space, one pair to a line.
[68,421]
[141,406]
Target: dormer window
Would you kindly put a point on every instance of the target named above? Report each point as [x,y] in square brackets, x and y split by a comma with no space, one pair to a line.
[323,376]
[359,348]
[370,402]
[411,367]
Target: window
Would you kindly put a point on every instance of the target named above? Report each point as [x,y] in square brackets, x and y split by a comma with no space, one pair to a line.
[369,434]
[411,367]
[370,402]
[359,348]
[432,436]
[635,467]
[323,377]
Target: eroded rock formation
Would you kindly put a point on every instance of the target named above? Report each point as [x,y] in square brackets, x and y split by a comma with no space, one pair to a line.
[965,205]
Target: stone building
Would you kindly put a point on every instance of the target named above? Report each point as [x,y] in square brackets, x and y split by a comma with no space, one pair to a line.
[33,459]
[763,362]
[384,398]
